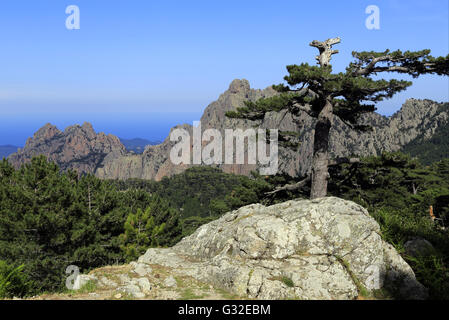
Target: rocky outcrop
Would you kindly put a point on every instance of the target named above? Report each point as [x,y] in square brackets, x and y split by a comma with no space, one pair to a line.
[323,249]
[77,147]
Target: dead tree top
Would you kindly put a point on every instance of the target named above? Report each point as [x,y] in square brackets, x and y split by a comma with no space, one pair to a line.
[325,48]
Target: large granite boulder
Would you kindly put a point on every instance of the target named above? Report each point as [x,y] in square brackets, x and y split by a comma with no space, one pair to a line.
[327,248]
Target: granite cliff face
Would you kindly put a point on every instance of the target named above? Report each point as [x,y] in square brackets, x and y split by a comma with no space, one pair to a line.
[416,117]
[82,149]
[155,162]
[77,147]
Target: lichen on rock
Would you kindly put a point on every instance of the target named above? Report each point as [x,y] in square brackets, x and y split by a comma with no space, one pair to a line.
[249,251]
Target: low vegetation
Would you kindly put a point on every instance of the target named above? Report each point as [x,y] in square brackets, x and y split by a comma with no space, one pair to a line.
[13,281]
[400,194]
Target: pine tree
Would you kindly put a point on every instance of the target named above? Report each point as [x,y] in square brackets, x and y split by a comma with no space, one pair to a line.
[347,95]
[157,225]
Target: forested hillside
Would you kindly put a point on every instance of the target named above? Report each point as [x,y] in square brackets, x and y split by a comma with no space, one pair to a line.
[401,194]
[432,149]
[202,194]
[50,219]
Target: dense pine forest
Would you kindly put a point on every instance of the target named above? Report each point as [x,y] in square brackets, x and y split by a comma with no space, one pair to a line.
[51,219]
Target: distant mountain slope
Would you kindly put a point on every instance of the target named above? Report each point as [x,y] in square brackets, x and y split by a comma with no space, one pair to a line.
[77,147]
[434,148]
[137,145]
[5,151]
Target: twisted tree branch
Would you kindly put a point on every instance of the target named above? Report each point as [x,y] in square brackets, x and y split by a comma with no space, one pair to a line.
[290,187]
[325,48]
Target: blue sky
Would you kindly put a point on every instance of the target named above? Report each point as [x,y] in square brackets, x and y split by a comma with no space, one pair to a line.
[140,58]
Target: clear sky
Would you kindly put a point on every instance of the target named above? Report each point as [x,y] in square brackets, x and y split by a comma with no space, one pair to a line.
[139,57]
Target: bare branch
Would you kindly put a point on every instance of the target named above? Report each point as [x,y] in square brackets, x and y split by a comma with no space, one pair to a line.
[325,48]
[371,68]
[290,187]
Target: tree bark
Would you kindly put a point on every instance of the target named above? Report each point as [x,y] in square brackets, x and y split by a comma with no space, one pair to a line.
[320,164]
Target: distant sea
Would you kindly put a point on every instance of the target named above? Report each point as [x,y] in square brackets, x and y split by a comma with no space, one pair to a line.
[153,126]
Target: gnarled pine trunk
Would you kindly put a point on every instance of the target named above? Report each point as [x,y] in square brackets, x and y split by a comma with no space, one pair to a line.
[320,173]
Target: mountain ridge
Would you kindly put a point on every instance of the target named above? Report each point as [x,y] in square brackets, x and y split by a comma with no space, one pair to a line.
[107,157]
[415,118]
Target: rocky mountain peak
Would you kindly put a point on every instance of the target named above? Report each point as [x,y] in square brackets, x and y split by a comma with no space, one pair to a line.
[416,108]
[79,147]
[85,129]
[239,86]
[87,126]
[48,131]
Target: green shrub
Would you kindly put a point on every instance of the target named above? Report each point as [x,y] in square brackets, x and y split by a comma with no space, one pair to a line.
[398,192]
[13,281]
[157,225]
[90,286]
[433,273]
[398,226]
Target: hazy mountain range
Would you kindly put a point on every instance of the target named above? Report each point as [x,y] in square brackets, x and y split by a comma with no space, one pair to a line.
[137,145]
[79,147]
[5,151]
